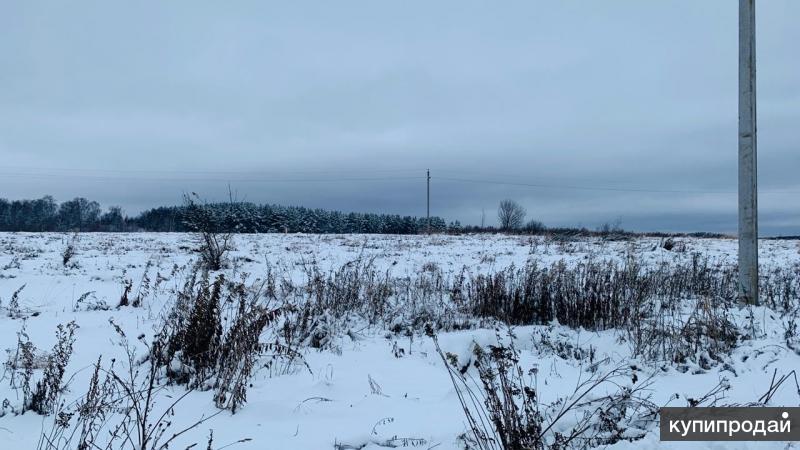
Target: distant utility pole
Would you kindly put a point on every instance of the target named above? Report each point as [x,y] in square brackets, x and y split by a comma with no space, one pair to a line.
[748,168]
[428,226]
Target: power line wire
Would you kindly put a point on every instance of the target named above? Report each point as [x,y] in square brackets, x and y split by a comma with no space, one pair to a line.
[603,188]
[223,180]
[200,172]
[264,177]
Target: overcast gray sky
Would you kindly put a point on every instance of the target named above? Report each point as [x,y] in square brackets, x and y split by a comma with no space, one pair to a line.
[343,105]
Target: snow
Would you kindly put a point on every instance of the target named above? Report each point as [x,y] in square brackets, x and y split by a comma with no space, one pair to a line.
[363,395]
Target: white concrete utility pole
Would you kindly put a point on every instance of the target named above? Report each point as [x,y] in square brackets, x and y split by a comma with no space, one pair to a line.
[748,169]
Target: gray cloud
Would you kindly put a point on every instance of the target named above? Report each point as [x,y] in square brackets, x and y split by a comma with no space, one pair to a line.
[134,104]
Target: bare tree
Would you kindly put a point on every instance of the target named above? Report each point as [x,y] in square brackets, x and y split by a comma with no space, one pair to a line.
[78,214]
[511,215]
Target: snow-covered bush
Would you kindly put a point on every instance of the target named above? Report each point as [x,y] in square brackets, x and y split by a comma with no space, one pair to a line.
[503,409]
[212,337]
[209,223]
[705,335]
[120,410]
[41,399]
[69,252]
[19,367]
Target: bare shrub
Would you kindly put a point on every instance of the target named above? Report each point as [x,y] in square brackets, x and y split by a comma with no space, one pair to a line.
[13,304]
[355,286]
[144,286]
[43,398]
[69,252]
[503,410]
[88,301]
[704,336]
[779,288]
[91,414]
[239,352]
[593,294]
[791,335]
[207,223]
[20,364]
[327,301]
[120,410]
[557,342]
[127,285]
[193,332]
[534,227]
[649,306]
[211,337]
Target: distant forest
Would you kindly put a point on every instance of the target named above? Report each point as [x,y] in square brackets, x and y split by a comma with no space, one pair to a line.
[80,214]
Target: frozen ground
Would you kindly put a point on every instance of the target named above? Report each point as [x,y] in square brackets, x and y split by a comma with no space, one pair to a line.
[365,393]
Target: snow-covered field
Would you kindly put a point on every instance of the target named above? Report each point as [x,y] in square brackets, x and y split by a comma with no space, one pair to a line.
[373,388]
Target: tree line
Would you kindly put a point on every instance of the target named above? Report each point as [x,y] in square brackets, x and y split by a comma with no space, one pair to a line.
[80,214]
[45,214]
